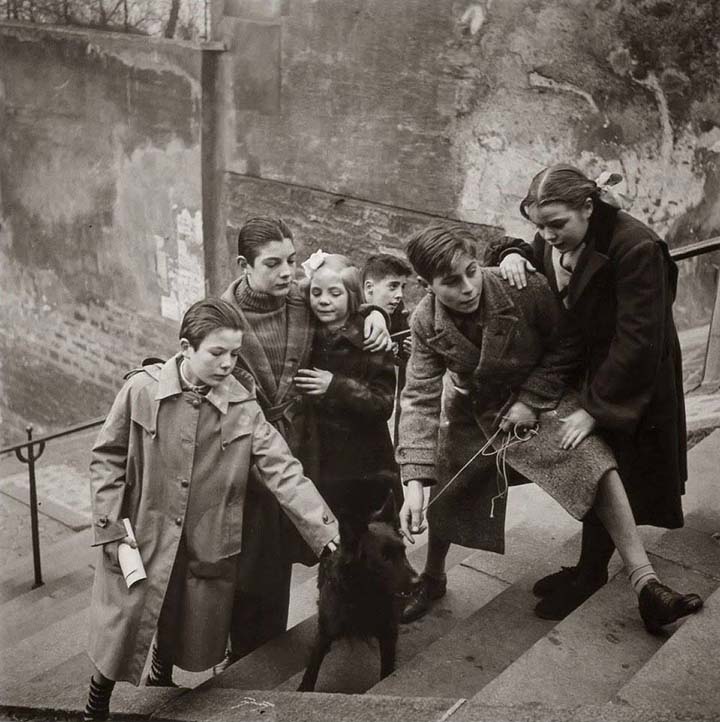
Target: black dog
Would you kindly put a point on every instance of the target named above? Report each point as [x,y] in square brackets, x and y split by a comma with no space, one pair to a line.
[362,587]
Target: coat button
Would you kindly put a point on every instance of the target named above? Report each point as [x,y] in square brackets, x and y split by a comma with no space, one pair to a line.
[326,518]
[196,402]
[178,521]
[184,483]
[102,522]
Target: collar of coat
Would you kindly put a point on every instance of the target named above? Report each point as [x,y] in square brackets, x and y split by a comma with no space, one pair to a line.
[594,256]
[229,391]
[352,332]
[496,314]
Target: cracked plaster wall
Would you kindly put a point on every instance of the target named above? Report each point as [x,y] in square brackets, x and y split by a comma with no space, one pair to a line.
[100,227]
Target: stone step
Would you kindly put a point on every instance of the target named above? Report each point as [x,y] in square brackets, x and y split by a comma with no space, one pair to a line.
[57,561]
[222,705]
[684,676]
[702,497]
[281,658]
[588,656]
[475,651]
[42,651]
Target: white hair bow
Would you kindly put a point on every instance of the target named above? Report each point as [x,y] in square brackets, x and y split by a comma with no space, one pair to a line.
[314,262]
[604,182]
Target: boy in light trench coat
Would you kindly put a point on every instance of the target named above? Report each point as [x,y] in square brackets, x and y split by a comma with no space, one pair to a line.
[173,457]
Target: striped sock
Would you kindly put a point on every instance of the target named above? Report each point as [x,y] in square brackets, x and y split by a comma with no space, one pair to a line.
[640,576]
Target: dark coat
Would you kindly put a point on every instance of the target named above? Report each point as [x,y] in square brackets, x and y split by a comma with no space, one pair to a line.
[347,451]
[620,297]
[524,355]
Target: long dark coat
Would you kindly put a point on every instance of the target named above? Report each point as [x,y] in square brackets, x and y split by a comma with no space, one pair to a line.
[270,542]
[620,297]
[348,451]
[146,467]
[524,355]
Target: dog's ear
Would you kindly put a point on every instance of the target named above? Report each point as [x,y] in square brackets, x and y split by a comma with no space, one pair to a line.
[387,512]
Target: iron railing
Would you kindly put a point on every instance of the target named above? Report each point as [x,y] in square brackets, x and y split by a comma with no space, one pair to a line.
[28,452]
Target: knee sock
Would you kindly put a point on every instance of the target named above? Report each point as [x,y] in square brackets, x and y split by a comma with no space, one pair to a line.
[640,576]
[98,704]
[160,669]
[597,546]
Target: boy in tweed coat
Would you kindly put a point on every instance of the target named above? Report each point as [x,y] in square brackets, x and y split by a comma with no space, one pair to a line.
[508,362]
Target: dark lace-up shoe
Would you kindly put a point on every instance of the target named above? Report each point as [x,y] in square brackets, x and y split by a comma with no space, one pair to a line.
[567,596]
[426,591]
[659,605]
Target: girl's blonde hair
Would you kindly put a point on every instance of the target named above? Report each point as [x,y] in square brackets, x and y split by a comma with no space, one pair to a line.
[350,276]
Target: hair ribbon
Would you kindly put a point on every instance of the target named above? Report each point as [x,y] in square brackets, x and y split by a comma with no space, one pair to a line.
[604,182]
[314,262]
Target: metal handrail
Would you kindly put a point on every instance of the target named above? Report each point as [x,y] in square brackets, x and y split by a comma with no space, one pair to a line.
[691,250]
[34,450]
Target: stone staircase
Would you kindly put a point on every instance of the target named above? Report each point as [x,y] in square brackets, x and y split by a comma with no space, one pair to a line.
[481,654]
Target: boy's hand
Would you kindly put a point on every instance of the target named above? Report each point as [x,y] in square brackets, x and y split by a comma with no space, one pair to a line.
[332,545]
[313,382]
[514,269]
[376,333]
[411,514]
[519,414]
[578,426]
[407,345]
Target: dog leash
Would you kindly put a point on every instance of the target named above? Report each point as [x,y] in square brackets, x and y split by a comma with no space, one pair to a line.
[512,438]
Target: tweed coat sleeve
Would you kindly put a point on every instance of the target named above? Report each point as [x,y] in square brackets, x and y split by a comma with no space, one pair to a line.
[624,383]
[108,468]
[561,360]
[497,250]
[283,476]
[371,397]
[420,402]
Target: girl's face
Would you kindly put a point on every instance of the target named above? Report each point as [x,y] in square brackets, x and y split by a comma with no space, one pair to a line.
[214,359]
[273,268]
[329,299]
[459,289]
[559,225]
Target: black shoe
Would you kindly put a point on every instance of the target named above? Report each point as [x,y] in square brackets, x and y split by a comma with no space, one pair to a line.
[659,605]
[98,704]
[552,582]
[426,591]
[568,597]
[151,681]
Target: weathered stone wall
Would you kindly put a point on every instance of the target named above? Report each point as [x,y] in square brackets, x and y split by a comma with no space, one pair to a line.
[448,107]
[100,226]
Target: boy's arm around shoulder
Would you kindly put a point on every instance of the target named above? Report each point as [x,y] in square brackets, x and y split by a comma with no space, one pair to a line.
[420,402]
[108,469]
[283,475]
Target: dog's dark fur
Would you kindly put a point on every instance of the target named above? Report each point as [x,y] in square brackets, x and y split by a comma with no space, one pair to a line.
[362,587]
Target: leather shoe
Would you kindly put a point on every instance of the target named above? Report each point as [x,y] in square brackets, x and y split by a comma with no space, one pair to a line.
[659,605]
[426,591]
[566,598]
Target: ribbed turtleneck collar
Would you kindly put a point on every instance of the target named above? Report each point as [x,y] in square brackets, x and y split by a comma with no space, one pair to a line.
[255,300]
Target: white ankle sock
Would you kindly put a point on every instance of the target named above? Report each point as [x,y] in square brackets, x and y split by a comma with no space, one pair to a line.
[640,576]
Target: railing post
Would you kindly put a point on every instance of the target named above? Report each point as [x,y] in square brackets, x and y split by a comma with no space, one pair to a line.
[34,526]
[711,371]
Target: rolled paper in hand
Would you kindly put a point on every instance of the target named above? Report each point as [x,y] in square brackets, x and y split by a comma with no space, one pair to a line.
[130,560]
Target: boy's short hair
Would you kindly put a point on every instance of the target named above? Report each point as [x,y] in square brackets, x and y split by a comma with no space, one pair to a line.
[258,232]
[382,265]
[433,250]
[206,316]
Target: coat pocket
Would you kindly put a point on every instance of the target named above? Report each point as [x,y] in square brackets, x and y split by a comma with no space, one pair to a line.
[233,429]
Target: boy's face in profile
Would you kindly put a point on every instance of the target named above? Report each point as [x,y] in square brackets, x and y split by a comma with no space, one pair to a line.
[386,292]
[215,357]
[459,288]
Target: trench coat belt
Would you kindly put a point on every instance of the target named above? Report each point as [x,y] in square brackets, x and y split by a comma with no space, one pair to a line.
[279,412]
